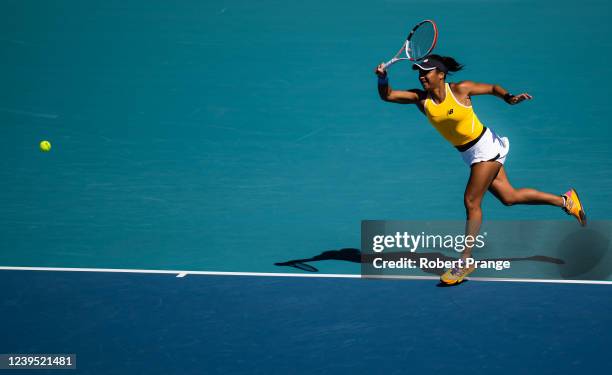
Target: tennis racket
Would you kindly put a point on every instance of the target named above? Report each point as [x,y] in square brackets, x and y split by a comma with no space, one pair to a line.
[420,42]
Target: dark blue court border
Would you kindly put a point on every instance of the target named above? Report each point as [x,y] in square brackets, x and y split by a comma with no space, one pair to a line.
[160,324]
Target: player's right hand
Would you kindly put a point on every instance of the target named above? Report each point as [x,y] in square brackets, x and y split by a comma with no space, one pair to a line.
[381,71]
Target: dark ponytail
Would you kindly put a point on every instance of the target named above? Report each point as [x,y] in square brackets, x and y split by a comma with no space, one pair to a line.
[451,64]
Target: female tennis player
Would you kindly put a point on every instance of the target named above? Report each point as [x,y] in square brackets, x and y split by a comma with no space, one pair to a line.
[448,107]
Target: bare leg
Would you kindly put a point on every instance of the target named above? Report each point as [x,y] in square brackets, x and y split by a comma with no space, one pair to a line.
[481,176]
[508,195]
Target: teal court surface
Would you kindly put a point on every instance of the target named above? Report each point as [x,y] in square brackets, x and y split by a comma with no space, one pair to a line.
[212,162]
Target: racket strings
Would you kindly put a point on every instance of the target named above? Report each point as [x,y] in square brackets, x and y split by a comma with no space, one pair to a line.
[422,41]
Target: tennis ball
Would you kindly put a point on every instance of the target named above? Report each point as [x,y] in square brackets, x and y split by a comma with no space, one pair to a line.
[45,146]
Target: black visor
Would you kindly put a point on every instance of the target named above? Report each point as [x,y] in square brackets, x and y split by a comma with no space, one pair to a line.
[430,64]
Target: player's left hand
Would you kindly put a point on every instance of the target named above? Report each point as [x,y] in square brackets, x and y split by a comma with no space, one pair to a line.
[516,99]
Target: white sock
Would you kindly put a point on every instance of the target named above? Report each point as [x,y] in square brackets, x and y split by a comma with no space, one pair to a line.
[564,200]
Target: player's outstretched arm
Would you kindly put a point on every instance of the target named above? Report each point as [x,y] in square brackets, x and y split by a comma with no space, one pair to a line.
[470,88]
[387,94]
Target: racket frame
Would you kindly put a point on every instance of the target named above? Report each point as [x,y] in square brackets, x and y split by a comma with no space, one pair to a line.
[406,46]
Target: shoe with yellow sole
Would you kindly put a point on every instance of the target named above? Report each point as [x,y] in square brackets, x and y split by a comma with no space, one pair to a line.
[456,275]
[573,207]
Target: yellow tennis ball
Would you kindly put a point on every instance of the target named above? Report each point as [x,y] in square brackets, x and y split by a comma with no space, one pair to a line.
[45,146]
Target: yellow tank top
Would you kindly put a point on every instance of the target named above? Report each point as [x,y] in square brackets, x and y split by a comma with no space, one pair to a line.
[457,122]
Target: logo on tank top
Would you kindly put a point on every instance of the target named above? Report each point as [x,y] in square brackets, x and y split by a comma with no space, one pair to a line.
[450,111]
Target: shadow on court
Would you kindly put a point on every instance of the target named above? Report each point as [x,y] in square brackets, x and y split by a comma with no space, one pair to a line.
[443,285]
[586,254]
[355,256]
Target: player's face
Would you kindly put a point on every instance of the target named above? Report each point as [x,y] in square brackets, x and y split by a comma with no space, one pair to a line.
[430,78]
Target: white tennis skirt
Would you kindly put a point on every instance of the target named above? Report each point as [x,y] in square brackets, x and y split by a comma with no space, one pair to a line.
[490,147]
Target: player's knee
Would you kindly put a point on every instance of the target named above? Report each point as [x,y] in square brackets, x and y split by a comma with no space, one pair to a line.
[509,199]
[471,202]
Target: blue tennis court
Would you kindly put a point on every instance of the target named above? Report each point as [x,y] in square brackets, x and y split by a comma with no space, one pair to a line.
[240,145]
[160,324]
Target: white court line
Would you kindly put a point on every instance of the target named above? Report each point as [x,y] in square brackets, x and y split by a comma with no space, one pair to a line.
[181,274]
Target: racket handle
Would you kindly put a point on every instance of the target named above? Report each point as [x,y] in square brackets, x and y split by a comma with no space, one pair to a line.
[388,64]
[392,61]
